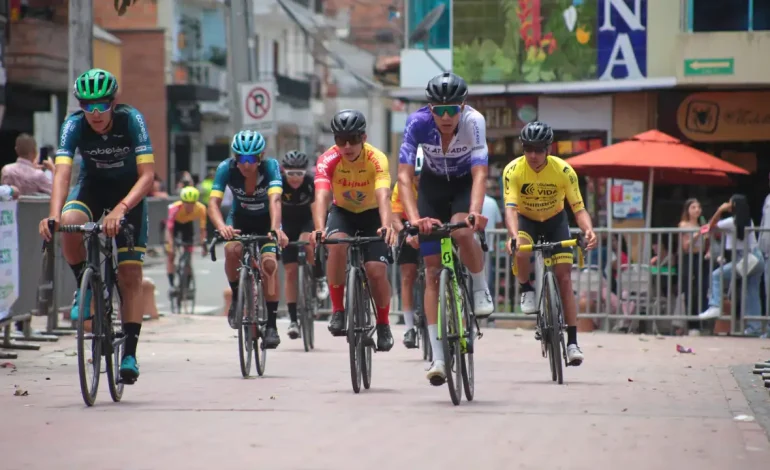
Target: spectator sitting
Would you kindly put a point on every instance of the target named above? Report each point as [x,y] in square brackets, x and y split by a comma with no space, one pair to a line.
[26,174]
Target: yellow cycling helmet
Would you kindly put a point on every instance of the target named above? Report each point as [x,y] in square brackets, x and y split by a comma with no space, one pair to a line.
[189,194]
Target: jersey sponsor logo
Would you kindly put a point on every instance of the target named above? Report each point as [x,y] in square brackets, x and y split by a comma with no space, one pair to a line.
[529,189]
[243,195]
[352,184]
[142,127]
[105,166]
[458,149]
[116,151]
[253,207]
[356,197]
[65,133]
[141,148]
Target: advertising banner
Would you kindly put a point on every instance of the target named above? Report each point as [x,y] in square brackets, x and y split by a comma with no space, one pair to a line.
[9,257]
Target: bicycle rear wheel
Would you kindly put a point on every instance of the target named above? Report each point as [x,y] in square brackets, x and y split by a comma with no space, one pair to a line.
[90,343]
[244,310]
[260,327]
[553,326]
[116,342]
[352,307]
[469,330]
[366,347]
[447,318]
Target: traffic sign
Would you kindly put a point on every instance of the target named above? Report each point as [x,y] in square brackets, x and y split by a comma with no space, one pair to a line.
[258,106]
[709,67]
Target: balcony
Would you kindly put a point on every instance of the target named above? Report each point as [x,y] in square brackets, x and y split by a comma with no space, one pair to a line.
[295,92]
[208,75]
[37,54]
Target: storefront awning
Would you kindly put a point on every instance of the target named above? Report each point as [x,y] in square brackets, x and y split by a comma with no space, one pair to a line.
[561,88]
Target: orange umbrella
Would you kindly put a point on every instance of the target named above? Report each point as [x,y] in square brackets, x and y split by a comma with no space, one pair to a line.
[656,157]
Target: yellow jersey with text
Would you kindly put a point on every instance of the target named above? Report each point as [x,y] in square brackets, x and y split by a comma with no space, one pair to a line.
[178,214]
[395,200]
[353,183]
[539,195]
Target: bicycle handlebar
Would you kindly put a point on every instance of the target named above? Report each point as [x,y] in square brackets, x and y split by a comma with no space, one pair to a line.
[349,241]
[578,241]
[239,238]
[92,228]
[446,229]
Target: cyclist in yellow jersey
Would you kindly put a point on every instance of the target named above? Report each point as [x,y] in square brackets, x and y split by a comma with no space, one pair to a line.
[408,257]
[356,175]
[179,226]
[535,186]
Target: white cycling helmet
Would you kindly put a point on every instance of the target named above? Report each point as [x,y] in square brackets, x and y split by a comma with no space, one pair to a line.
[418,161]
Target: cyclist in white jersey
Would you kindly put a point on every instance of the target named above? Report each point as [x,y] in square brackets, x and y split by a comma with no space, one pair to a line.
[452,186]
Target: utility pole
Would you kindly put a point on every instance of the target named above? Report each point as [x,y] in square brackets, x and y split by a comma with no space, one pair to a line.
[81,52]
[241,58]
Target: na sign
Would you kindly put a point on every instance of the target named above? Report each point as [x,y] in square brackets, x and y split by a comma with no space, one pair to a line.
[622,39]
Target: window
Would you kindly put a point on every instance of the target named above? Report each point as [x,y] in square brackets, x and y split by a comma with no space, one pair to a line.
[728,15]
[440,33]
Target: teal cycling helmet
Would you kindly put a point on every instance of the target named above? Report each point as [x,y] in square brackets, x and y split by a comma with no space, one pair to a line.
[248,143]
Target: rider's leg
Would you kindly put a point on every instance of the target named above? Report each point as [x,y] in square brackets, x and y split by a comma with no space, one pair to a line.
[271,292]
[335,271]
[437,373]
[524,274]
[473,258]
[76,212]
[290,287]
[377,274]
[232,262]
[170,263]
[408,278]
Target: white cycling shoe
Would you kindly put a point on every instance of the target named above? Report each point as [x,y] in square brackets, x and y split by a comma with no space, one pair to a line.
[437,373]
[574,355]
[527,303]
[482,303]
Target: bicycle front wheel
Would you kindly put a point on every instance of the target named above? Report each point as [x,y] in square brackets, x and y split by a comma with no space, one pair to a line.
[303,306]
[353,306]
[260,326]
[115,341]
[447,319]
[469,337]
[552,313]
[244,309]
[89,343]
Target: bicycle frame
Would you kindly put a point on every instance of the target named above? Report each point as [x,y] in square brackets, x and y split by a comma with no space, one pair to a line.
[449,260]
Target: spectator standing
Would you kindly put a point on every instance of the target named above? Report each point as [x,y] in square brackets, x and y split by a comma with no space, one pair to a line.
[695,247]
[26,174]
[764,246]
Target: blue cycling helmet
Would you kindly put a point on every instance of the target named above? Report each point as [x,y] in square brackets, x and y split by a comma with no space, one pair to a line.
[418,161]
[248,143]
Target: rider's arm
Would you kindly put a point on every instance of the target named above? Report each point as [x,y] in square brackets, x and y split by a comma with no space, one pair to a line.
[407,157]
[511,199]
[397,208]
[202,221]
[479,161]
[274,191]
[145,161]
[218,193]
[575,199]
[382,189]
[323,187]
[173,209]
[70,135]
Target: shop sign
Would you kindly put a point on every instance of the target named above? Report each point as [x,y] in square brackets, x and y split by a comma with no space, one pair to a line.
[742,116]
[622,39]
[505,112]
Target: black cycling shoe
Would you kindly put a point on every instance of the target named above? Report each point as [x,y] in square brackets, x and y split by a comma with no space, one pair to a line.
[410,339]
[231,316]
[384,338]
[337,324]
[272,340]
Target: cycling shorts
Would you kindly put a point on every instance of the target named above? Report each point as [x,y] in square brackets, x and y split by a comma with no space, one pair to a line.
[441,198]
[250,224]
[364,224]
[94,197]
[552,230]
[293,228]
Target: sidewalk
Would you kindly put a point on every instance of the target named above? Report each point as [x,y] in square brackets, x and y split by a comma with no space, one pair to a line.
[636,403]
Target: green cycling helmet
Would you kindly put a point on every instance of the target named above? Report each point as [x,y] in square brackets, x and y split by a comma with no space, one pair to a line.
[96,84]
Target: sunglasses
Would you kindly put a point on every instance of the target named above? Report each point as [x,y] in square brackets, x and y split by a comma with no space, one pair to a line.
[341,140]
[295,172]
[534,148]
[90,106]
[451,109]
[249,158]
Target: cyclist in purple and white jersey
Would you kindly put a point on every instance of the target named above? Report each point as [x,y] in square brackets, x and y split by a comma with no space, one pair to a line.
[452,186]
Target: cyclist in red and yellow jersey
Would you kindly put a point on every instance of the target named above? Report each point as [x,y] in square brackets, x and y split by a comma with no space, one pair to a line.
[179,225]
[356,175]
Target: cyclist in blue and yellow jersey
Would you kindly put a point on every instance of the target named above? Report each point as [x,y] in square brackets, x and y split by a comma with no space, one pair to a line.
[256,184]
[116,174]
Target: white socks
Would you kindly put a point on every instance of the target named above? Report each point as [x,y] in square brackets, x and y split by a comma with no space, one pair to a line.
[435,344]
[479,281]
[409,319]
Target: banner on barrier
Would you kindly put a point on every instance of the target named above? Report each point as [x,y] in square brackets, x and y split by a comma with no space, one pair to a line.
[9,257]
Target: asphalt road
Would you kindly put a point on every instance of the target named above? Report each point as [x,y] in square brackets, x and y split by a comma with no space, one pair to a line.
[635,403]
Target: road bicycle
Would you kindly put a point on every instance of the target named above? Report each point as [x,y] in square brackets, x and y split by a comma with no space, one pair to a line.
[307,303]
[420,324]
[550,315]
[359,307]
[458,327]
[102,331]
[182,298]
[250,307]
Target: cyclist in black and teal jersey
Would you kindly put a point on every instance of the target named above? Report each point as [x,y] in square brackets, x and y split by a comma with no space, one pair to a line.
[116,174]
[257,187]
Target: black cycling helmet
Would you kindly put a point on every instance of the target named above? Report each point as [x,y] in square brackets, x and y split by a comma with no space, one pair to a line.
[446,88]
[294,159]
[537,133]
[349,121]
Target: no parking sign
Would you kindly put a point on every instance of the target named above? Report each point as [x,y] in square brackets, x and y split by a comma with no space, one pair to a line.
[258,106]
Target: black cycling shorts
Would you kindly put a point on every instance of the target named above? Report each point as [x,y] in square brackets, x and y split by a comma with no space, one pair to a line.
[441,198]
[184,232]
[293,227]
[253,225]
[94,197]
[364,224]
[555,229]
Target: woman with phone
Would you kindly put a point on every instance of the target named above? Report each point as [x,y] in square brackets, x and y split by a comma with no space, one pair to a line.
[695,259]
